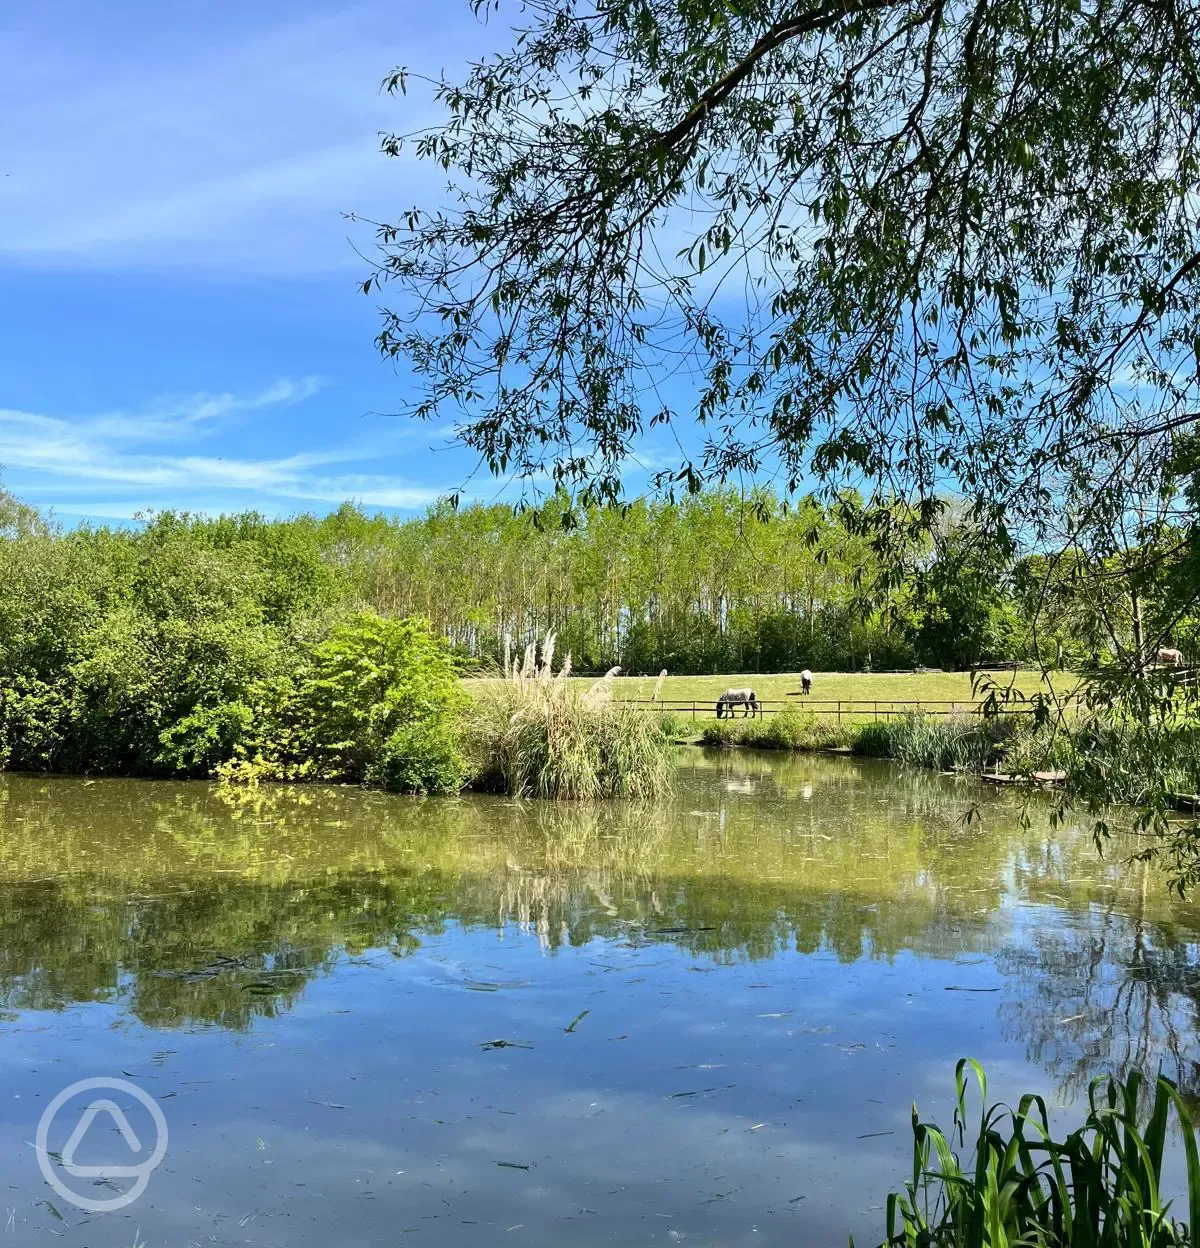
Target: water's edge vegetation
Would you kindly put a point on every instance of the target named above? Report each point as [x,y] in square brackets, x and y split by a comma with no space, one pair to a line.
[961,743]
[1014,748]
[249,650]
[1101,1186]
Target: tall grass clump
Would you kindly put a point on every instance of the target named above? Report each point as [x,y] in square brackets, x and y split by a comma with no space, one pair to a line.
[536,734]
[1101,1187]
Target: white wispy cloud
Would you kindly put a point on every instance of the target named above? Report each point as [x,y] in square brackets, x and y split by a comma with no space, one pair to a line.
[119,463]
[165,416]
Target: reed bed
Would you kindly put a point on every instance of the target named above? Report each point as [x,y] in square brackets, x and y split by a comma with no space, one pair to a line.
[953,743]
[1136,763]
[1101,1187]
[957,743]
[538,734]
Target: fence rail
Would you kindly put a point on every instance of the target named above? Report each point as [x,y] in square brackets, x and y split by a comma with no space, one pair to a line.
[833,708]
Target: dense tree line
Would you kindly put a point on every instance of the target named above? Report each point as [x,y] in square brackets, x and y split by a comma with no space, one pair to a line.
[713,583]
[724,582]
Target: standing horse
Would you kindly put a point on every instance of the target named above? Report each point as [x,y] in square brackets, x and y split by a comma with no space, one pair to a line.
[737,697]
[1169,657]
[806,681]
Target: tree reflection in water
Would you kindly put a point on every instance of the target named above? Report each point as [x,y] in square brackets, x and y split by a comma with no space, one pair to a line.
[186,905]
[1107,987]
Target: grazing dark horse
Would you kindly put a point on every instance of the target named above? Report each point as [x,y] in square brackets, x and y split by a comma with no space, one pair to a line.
[806,681]
[737,697]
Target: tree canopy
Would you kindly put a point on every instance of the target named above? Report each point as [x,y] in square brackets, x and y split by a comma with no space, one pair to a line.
[930,248]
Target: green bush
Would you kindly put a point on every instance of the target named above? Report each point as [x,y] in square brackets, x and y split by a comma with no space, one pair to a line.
[131,652]
[568,750]
[369,688]
[1031,747]
[419,758]
[201,741]
[796,729]
[722,732]
[376,702]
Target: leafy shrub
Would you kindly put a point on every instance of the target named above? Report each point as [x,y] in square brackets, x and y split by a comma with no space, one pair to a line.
[36,723]
[378,701]
[796,729]
[372,683]
[721,732]
[419,758]
[201,741]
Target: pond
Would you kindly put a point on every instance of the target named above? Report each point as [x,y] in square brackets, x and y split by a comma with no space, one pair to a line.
[370,1020]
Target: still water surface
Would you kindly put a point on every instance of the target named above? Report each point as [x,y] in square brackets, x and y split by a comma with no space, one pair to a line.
[716,1014]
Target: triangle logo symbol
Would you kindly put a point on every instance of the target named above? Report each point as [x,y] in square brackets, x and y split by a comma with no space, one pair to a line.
[114,1111]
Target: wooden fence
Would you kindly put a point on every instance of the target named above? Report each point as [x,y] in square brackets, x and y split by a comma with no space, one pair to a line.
[841,709]
[1185,677]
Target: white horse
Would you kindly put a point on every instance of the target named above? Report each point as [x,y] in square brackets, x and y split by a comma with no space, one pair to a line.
[1169,657]
[806,681]
[737,697]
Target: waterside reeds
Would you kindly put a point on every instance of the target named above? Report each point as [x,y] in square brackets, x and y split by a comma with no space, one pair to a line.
[537,734]
[1100,1187]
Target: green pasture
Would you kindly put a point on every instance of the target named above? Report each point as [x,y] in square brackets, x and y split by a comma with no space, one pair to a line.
[852,694]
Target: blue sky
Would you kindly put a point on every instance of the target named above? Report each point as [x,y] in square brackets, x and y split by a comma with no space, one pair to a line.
[182,325]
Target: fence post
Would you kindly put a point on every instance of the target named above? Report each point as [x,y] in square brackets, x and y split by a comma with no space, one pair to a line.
[839,712]
[875,717]
[693,711]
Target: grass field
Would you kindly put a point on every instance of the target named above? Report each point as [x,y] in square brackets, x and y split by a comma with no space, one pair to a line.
[860,694]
